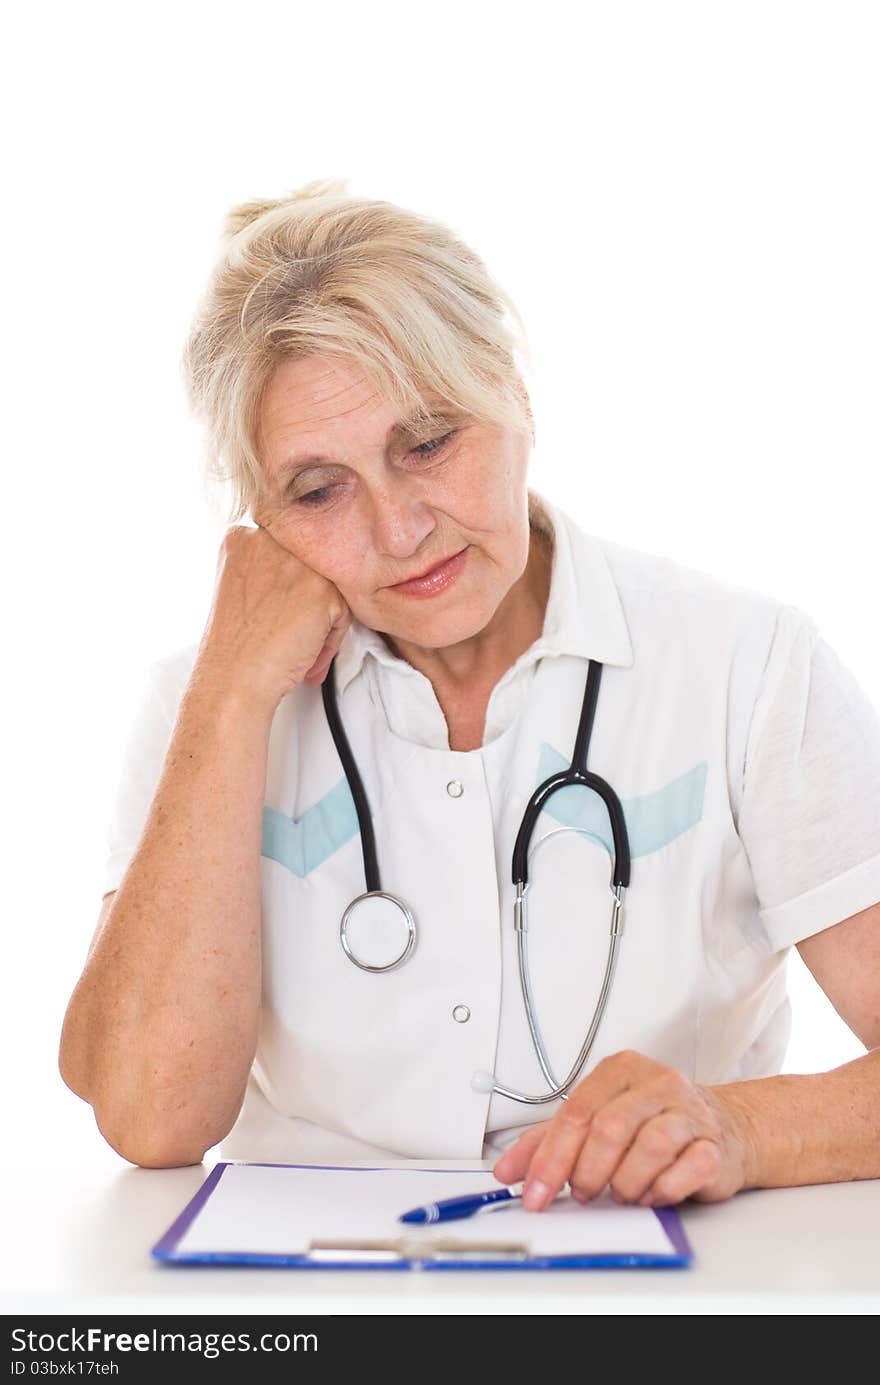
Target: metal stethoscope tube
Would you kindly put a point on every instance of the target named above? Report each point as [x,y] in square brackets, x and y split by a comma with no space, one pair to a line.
[487,1081]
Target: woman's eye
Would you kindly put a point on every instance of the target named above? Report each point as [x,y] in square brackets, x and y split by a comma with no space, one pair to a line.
[427,449]
[316,497]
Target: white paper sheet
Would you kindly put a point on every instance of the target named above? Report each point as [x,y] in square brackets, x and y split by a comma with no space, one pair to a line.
[280,1210]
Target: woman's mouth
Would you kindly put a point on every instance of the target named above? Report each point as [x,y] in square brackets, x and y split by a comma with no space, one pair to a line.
[437,580]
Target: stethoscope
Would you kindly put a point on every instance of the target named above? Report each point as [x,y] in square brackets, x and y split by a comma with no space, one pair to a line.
[384,920]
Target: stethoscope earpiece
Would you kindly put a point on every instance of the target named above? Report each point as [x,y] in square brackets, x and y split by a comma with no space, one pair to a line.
[483,1081]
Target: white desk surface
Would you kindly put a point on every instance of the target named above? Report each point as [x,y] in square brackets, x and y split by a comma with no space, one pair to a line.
[79,1223]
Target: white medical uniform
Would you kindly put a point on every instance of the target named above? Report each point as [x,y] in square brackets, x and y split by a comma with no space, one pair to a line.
[747,760]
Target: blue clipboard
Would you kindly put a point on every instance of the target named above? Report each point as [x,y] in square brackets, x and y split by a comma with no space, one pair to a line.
[398,1251]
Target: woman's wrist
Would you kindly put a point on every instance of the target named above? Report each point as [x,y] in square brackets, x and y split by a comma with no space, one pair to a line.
[218,683]
[800,1128]
[742,1112]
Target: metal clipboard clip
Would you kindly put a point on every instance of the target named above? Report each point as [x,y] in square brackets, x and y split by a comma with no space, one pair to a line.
[416,1249]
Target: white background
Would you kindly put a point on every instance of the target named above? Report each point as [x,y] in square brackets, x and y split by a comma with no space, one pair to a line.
[681,197]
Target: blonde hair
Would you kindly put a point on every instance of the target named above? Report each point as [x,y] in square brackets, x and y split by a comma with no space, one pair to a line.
[319,271]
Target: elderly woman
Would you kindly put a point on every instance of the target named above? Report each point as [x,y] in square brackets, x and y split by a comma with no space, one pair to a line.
[402,649]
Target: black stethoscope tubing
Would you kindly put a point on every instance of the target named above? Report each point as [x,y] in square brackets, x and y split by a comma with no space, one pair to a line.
[577,773]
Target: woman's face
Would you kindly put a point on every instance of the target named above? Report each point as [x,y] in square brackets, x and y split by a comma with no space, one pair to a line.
[368,505]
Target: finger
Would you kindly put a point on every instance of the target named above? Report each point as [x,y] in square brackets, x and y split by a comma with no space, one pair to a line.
[512,1165]
[697,1166]
[554,1160]
[318,672]
[632,1132]
[657,1144]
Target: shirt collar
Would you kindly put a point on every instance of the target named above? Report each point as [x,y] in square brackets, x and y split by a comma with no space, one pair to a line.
[584,614]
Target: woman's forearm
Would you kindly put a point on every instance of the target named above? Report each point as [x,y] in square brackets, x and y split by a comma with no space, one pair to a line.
[161,1030]
[810,1128]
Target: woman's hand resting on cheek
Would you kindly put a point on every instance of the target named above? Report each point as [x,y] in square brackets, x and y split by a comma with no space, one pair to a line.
[655,1137]
[274,622]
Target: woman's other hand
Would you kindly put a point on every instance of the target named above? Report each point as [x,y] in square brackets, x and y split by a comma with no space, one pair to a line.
[274,623]
[641,1128]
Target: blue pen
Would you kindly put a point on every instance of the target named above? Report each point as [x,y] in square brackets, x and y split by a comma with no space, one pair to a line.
[455,1208]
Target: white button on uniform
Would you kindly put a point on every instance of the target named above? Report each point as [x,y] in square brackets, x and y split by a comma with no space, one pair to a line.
[455,788]
[461,1014]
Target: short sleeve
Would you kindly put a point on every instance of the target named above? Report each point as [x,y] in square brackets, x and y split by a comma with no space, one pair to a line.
[810,815]
[143,758]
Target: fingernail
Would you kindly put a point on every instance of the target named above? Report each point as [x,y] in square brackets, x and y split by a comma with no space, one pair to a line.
[535,1196]
[578,1196]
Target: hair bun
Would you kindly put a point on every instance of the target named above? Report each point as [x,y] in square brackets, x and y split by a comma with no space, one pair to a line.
[245,213]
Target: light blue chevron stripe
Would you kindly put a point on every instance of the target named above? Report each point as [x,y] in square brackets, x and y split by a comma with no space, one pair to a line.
[303,845]
[652,819]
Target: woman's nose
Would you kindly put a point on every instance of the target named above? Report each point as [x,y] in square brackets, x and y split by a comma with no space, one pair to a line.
[401,524]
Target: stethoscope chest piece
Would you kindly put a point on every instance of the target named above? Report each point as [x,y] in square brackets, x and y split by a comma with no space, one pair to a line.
[377,931]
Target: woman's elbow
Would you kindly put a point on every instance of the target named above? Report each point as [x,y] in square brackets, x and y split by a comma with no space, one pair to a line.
[150,1151]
